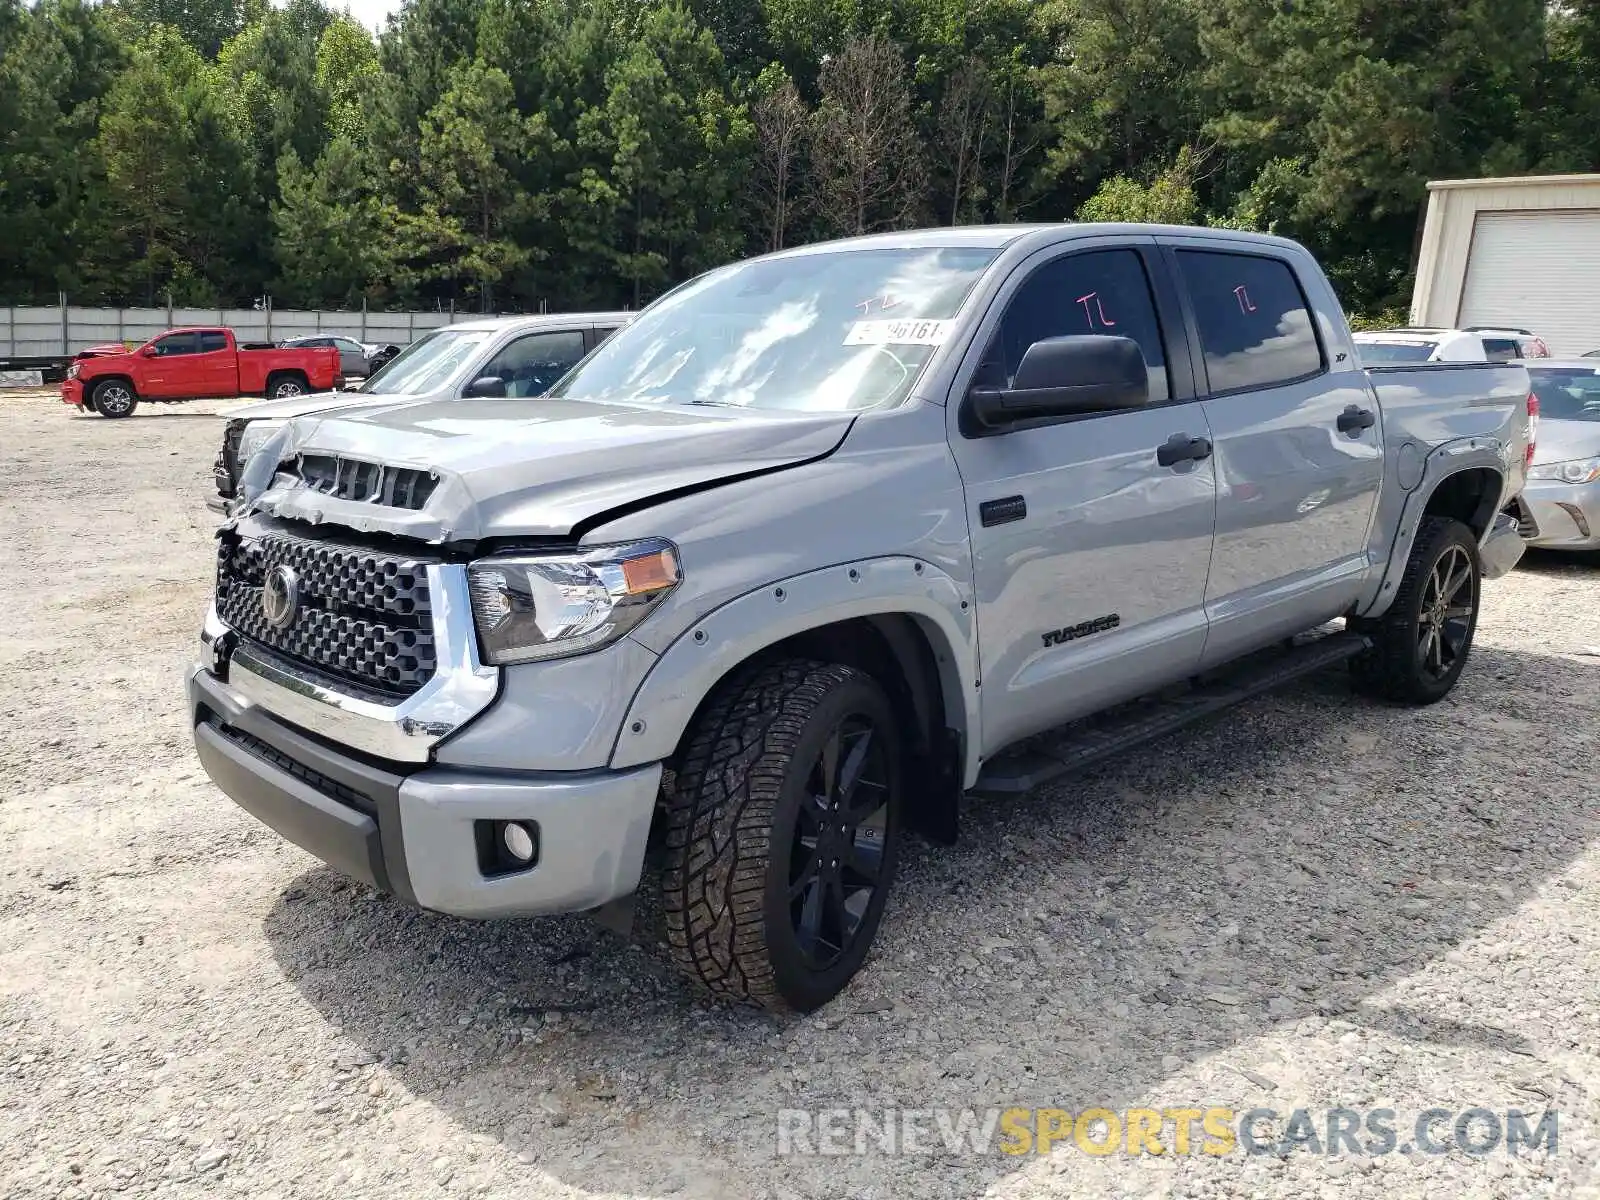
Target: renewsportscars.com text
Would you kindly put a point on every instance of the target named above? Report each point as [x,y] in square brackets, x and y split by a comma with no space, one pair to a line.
[1178,1132]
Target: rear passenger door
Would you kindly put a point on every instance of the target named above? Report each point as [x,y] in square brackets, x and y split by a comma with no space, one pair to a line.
[1299,456]
[1089,555]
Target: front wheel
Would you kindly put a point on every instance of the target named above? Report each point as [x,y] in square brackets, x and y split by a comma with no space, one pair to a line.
[1420,645]
[782,833]
[113,398]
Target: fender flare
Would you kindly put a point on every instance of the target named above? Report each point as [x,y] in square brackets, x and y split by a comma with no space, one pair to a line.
[704,654]
[1443,463]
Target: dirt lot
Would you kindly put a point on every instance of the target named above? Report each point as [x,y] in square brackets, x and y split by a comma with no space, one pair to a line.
[1312,903]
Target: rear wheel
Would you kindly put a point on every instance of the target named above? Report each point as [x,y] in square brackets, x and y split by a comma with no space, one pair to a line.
[1420,646]
[281,387]
[113,398]
[782,835]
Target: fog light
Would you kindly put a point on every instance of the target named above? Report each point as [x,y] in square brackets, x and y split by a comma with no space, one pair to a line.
[518,841]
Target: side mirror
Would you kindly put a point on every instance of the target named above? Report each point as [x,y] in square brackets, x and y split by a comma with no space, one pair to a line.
[150,352]
[1066,377]
[486,385]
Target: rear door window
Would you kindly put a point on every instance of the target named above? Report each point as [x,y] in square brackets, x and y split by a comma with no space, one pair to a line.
[212,341]
[1501,349]
[1255,326]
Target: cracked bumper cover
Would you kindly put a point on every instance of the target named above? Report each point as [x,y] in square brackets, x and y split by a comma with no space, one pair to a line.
[411,830]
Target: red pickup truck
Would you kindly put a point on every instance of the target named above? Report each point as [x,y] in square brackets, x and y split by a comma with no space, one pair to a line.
[193,364]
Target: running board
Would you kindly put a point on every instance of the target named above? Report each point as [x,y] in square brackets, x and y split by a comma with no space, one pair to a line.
[1074,747]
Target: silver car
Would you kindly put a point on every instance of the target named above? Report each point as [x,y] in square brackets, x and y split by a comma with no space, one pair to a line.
[1563,492]
[357,360]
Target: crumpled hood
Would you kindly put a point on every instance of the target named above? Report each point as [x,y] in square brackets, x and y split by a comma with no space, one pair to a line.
[103,350]
[524,468]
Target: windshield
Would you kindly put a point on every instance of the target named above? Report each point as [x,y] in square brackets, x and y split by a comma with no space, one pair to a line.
[427,363]
[838,331]
[1567,393]
[1396,352]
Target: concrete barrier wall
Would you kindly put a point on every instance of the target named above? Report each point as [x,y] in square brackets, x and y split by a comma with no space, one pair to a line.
[55,330]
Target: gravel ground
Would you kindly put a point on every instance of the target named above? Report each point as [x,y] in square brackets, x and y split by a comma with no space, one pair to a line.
[1314,902]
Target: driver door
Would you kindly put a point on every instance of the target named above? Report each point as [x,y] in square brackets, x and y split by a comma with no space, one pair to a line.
[167,372]
[1090,557]
[530,365]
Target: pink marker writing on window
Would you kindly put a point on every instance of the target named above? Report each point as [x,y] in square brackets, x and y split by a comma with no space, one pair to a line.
[1099,306]
[1242,295]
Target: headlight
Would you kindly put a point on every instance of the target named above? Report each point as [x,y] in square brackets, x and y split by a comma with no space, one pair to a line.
[72,371]
[255,436]
[556,605]
[1578,470]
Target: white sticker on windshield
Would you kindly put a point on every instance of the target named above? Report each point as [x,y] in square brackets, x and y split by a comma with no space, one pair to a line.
[898,333]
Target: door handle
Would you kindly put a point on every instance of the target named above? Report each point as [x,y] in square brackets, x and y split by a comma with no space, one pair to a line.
[1354,420]
[1180,447]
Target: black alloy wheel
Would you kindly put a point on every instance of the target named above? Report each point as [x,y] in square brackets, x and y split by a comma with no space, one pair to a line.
[1449,603]
[836,854]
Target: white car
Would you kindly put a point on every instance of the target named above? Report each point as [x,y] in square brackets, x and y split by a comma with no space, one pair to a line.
[489,357]
[1477,344]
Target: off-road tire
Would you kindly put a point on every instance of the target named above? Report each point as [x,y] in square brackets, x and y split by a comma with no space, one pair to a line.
[1393,669]
[118,408]
[729,825]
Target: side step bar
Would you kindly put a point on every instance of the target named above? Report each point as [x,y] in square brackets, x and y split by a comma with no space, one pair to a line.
[1074,747]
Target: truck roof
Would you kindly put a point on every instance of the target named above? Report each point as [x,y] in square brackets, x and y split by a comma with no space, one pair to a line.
[999,236]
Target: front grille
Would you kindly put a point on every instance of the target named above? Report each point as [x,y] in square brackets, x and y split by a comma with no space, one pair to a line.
[226,469]
[363,615]
[365,482]
[328,786]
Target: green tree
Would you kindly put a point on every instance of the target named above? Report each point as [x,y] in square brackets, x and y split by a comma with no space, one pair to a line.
[57,60]
[1371,100]
[1168,199]
[179,178]
[669,150]
[346,71]
[204,24]
[470,144]
[333,232]
[1120,93]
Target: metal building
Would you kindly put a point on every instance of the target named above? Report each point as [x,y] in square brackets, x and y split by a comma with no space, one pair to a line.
[1522,252]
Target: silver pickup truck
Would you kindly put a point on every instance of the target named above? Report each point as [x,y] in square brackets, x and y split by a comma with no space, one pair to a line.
[819,543]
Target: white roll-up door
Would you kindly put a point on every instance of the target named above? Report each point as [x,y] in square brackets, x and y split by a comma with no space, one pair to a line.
[1538,271]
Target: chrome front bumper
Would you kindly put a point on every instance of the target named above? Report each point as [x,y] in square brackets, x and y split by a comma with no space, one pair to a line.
[406,731]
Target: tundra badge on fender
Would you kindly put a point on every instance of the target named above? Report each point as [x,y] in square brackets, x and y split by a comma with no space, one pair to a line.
[1072,633]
